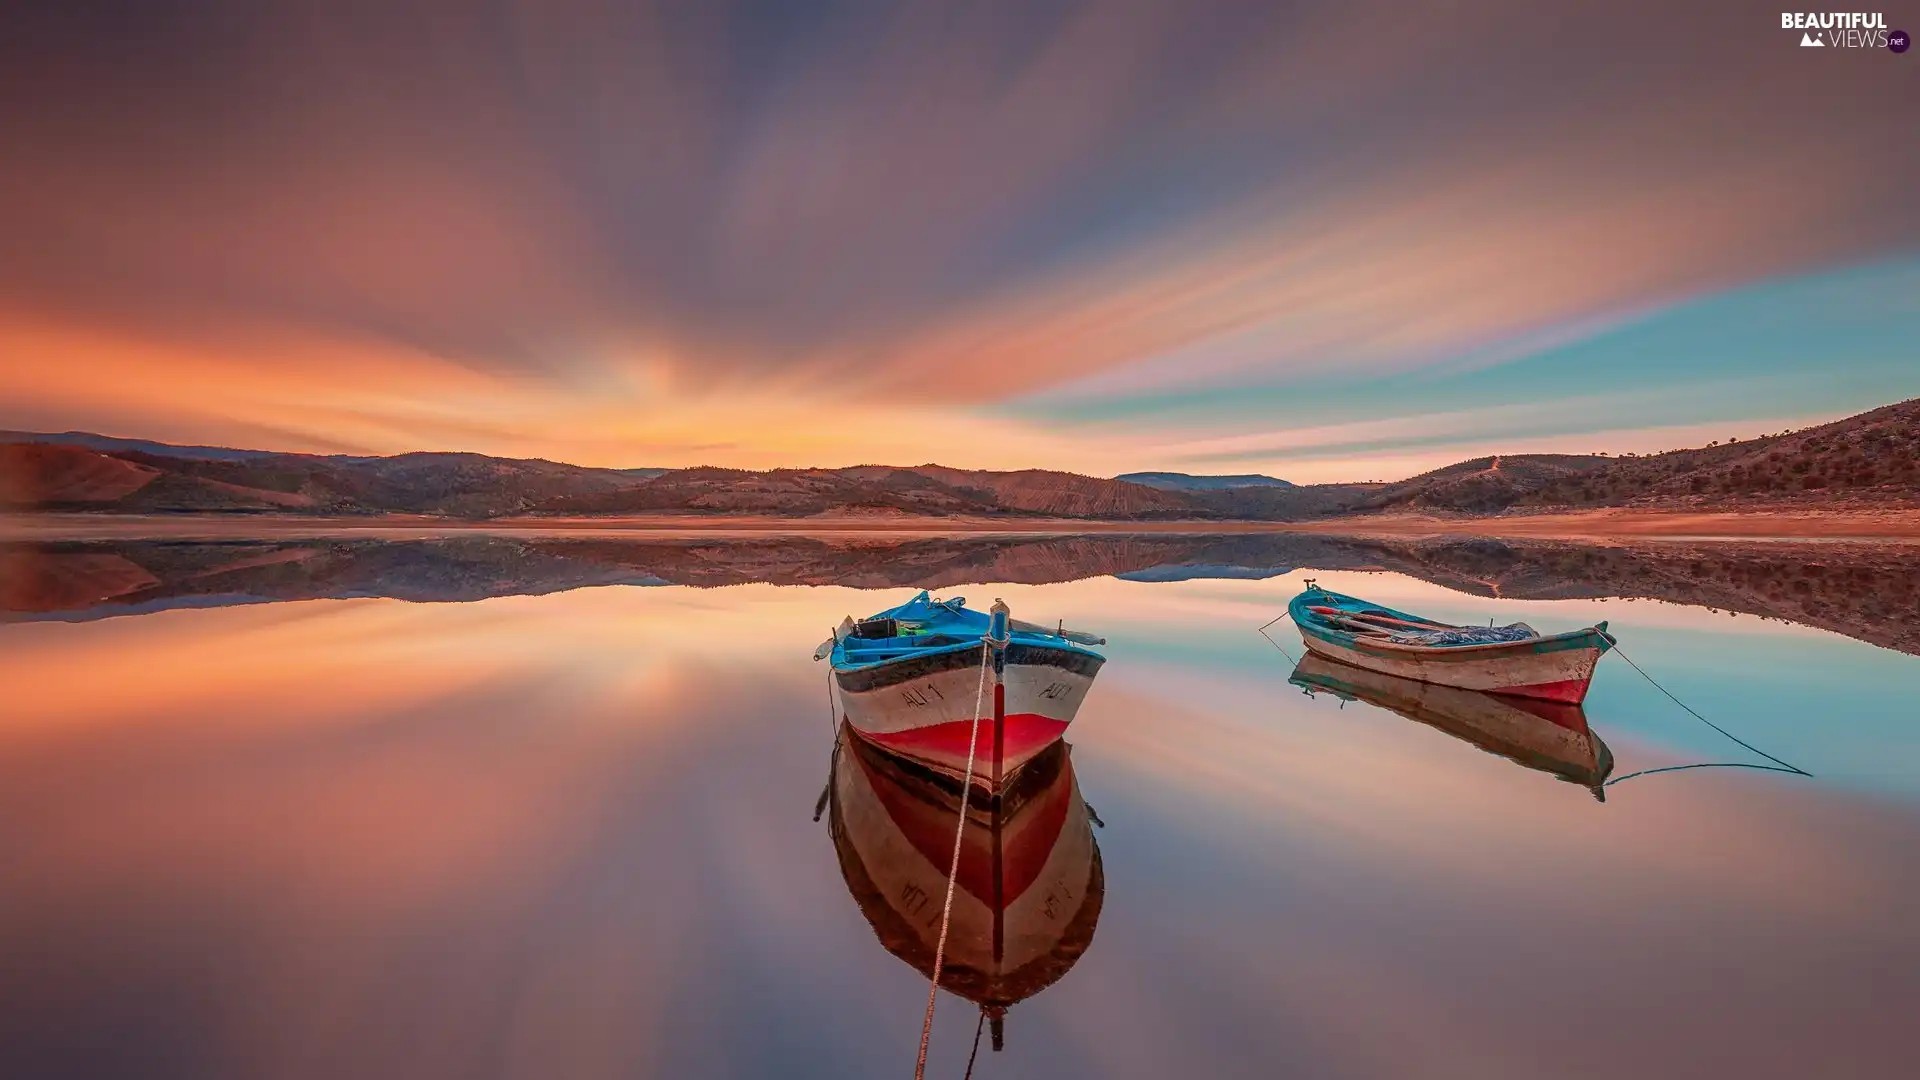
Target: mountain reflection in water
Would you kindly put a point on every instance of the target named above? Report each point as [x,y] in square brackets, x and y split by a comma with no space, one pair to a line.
[572,834]
[1866,591]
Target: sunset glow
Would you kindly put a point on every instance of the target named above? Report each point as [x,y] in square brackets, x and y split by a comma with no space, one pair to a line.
[1098,238]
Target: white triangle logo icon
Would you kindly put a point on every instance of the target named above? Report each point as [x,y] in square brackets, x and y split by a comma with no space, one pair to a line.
[1808,40]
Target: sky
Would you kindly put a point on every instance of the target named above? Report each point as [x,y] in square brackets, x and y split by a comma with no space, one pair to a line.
[1342,241]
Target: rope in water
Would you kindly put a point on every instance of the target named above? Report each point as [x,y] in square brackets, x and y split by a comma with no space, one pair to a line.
[1784,766]
[833,726]
[833,714]
[1275,644]
[975,1052]
[953,870]
[1778,765]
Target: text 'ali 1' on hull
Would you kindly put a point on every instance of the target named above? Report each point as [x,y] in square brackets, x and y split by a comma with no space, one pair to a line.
[910,678]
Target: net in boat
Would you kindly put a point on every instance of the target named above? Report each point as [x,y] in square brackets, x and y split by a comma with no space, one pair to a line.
[1464,635]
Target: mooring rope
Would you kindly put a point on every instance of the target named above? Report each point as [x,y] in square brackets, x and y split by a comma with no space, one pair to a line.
[1777,766]
[1275,644]
[1783,766]
[975,1052]
[953,870]
[833,714]
[833,759]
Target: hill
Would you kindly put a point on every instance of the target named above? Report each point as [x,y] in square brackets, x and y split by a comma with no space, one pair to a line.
[1481,484]
[70,476]
[1064,494]
[1869,459]
[1175,481]
[880,489]
[111,443]
[1874,456]
[780,493]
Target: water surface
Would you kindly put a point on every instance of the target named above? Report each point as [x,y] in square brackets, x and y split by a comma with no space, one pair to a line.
[489,808]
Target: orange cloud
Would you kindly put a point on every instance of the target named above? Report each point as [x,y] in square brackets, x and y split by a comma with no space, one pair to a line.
[638,236]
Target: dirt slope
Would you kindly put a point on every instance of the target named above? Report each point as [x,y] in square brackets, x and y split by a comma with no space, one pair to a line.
[1870,460]
[1874,456]
[42,473]
[1062,494]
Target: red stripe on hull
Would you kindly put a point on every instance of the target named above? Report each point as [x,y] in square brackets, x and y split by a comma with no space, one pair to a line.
[1570,692]
[946,744]
[1026,842]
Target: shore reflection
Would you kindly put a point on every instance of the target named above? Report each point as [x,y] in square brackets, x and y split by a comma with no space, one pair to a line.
[1866,591]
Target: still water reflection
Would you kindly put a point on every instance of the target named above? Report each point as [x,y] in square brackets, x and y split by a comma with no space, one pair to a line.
[1030,885]
[564,831]
[1549,736]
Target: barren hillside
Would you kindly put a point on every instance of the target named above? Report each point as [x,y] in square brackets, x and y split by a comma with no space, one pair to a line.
[1873,458]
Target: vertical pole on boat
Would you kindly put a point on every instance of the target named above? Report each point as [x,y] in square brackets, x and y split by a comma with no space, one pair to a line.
[999,632]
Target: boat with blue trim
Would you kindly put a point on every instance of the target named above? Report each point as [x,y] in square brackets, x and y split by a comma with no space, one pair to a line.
[1514,659]
[909,679]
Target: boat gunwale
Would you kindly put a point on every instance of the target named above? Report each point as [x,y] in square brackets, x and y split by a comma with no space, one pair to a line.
[1312,623]
[841,663]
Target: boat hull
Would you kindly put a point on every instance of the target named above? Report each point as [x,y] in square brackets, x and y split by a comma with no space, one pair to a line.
[923,706]
[1557,668]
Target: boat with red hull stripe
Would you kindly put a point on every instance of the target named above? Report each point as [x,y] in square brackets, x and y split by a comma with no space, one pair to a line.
[909,679]
[1514,660]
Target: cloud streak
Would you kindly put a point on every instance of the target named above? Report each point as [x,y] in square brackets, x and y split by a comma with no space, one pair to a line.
[628,233]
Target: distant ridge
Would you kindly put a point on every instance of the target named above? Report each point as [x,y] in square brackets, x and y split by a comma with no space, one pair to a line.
[1179,481]
[111,443]
[1872,459]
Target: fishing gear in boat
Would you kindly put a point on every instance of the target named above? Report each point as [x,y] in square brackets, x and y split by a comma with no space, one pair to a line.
[901,675]
[1514,659]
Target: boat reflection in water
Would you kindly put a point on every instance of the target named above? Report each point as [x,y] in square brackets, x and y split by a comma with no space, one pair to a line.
[1547,736]
[1030,885]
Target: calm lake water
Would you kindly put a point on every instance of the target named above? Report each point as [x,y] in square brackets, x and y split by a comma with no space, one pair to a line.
[266,813]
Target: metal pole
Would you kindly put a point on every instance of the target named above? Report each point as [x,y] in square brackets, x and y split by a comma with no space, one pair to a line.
[999,633]
[999,727]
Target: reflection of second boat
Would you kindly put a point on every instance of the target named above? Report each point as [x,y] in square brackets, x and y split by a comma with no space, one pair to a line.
[1546,736]
[1030,884]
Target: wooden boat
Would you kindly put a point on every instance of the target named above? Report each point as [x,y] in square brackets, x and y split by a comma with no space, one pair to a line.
[1547,736]
[1516,659]
[909,678]
[1030,887]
